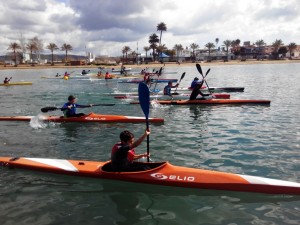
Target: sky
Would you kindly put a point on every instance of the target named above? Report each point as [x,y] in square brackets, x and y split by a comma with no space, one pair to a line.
[104,27]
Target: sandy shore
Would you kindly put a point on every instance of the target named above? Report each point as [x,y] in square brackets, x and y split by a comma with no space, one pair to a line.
[151,65]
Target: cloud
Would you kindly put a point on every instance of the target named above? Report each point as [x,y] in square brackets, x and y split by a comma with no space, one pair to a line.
[108,25]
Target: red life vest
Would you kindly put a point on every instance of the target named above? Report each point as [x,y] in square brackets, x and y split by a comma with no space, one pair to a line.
[130,154]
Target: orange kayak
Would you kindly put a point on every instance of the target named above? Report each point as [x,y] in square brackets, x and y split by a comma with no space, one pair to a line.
[160,173]
[92,117]
[212,102]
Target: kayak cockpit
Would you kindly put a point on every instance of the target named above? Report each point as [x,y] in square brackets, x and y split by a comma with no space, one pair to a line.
[140,167]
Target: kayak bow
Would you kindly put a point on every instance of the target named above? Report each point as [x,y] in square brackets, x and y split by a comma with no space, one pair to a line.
[161,173]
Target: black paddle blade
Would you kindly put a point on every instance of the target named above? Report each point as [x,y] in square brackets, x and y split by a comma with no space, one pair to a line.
[207,72]
[199,68]
[47,109]
[160,70]
[182,76]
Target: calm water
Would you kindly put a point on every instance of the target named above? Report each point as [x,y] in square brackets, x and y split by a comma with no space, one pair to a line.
[254,140]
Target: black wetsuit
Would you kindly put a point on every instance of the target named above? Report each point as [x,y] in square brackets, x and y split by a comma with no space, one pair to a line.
[196,91]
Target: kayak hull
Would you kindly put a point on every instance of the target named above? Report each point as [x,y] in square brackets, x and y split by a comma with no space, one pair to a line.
[167,97]
[212,102]
[162,173]
[215,89]
[89,118]
[16,83]
[152,80]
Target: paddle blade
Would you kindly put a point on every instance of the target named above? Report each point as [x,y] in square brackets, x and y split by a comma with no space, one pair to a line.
[47,109]
[207,72]
[160,70]
[199,68]
[144,98]
[182,76]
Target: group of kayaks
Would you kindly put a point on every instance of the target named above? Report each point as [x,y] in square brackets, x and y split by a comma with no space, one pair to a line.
[159,173]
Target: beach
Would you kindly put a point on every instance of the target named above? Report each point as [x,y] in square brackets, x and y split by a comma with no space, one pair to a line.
[154,64]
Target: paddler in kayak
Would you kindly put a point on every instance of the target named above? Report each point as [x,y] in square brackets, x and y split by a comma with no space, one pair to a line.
[167,89]
[194,83]
[196,91]
[69,108]
[108,76]
[6,80]
[123,154]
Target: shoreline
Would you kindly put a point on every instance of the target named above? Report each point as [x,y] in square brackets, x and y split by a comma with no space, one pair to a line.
[167,64]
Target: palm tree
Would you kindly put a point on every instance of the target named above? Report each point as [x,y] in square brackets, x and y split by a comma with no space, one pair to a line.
[209,46]
[276,44]
[194,46]
[178,48]
[217,41]
[292,46]
[227,44]
[52,47]
[161,27]
[125,51]
[260,44]
[32,47]
[66,47]
[235,44]
[153,40]
[146,49]
[161,48]
[14,46]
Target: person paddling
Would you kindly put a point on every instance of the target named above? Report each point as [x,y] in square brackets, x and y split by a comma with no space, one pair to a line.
[6,80]
[69,108]
[167,89]
[123,153]
[196,91]
[194,83]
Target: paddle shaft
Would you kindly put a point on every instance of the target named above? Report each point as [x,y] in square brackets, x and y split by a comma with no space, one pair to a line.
[144,99]
[46,109]
[182,76]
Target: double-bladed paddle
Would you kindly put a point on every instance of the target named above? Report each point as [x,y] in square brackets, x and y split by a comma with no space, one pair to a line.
[144,99]
[200,71]
[182,76]
[159,73]
[52,108]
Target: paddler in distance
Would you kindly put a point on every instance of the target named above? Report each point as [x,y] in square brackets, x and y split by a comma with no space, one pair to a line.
[123,153]
[167,89]
[6,80]
[69,108]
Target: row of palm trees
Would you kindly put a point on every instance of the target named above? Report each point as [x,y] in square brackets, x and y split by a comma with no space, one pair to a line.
[35,45]
[156,46]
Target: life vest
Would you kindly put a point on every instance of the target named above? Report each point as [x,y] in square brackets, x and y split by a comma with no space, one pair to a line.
[130,153]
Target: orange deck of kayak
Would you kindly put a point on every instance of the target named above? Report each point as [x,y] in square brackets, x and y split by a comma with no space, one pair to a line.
[162,173]
[92,117]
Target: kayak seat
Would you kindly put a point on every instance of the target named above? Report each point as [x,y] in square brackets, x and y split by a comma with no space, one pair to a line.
[107,168]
